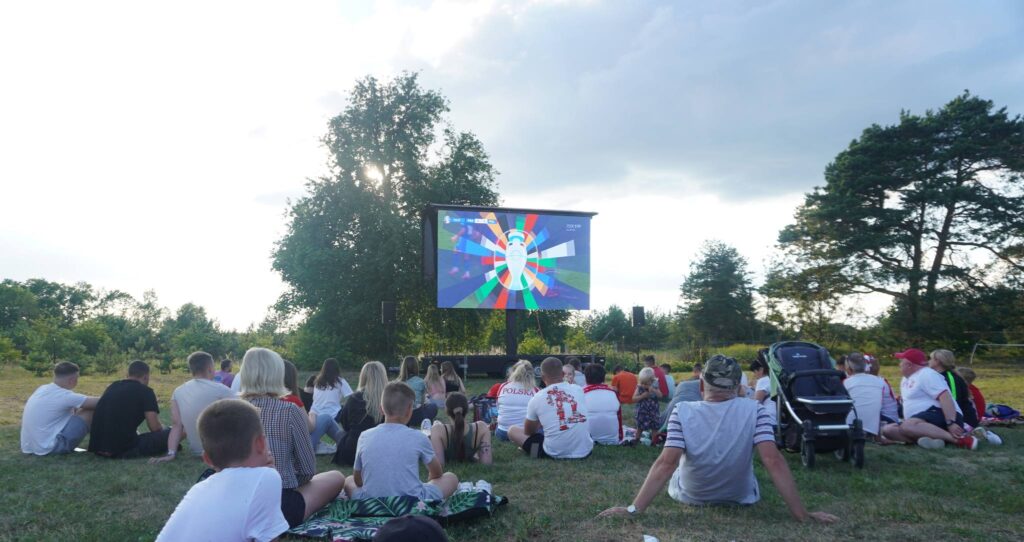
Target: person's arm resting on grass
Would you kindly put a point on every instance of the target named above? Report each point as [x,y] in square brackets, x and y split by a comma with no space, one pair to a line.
[174,438]
[659,474]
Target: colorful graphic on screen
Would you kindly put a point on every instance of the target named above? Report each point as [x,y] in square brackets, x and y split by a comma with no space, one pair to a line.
[497,260]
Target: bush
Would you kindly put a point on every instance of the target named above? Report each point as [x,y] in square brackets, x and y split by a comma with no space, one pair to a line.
[532,344]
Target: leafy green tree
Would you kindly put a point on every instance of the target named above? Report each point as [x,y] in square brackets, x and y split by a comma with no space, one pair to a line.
[190,330]
[802,301]
[67,304]
[910,209]
[17,305]
[354,239]
[717,296]
[533,344]
[48,343]
[8,352]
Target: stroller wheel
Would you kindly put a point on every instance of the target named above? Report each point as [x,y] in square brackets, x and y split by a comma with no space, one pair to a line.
[807,453]
[857,452]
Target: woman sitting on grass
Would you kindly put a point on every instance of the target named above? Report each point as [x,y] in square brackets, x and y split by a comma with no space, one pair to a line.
[452,381]
[285,425]
[423,409]
[458,442]
[435,386]
[514,396]
[362,410]
[329,390]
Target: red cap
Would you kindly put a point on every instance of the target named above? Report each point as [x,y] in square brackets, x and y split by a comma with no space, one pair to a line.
[913,355]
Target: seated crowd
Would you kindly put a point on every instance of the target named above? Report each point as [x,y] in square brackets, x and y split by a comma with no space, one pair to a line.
[260,432]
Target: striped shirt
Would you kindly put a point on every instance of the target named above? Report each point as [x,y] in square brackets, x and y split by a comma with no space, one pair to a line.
[719,440]
[288,438]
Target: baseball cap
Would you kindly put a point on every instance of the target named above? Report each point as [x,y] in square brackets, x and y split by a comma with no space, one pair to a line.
[722,372]
[411,527]
[913,355]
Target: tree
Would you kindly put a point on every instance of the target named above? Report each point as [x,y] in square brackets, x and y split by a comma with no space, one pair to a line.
[717,299]
[354,239]
[919,206]
[48,343]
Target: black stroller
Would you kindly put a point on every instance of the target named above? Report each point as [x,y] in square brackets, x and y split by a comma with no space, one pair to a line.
[812,404]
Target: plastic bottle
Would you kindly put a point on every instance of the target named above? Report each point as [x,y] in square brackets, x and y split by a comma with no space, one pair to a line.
[645,438]
[425,426]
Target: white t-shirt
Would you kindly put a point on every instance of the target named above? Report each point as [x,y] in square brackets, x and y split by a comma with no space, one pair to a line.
[604,414]
[890,408]
[512,401]
[329,401]
[765,384]
[867,391]
[670,382]
[719,440]
[235,504]
[562,411]
[46,412]
[579,379]
[920,391]
[192,398]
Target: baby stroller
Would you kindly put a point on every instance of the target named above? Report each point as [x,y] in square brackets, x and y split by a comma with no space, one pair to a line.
[812,404]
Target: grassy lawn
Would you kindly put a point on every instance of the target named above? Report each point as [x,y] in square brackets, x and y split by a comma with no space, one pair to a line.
[903,492]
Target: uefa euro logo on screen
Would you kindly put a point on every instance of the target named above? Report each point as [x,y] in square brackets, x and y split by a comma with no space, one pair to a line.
[495,260]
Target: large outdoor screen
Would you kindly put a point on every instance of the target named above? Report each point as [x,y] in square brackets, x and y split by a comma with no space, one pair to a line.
[507,259]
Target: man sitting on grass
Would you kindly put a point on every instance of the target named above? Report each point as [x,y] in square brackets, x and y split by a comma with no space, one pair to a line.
[242,501]
[931,417]
[559,409]
[686,390]
[709,451]
[188,401]
[56,419]
[388,456]
[120,410]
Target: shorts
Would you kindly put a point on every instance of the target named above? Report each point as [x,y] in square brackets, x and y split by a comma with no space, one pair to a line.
[293,506]
[935,417]
[534,446]
[501,434]
[70,436]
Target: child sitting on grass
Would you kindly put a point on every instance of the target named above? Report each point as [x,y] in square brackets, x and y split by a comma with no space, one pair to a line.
[242,501]
[388,456]
[645,398]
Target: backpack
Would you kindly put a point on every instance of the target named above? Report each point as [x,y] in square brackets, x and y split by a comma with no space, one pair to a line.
[484,408]
[1002,412]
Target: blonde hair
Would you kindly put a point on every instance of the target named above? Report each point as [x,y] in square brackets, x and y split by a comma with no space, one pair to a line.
[262,373]
[967,374]
[433,376]
[410,368]
[945,358]
[646,376]
[372,380]
[522,373]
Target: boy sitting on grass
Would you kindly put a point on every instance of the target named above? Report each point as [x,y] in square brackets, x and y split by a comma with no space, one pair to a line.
[388,456]
[242,501]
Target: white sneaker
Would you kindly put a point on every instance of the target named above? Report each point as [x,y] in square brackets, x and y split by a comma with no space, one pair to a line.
[929,443]
[993,438]
[465,487]
[483,485]
[323,448]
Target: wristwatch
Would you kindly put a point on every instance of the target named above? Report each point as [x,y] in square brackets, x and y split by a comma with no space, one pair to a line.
[950,422]
[631,509]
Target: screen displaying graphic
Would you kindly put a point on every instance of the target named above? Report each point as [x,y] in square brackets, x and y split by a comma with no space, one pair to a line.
[512,260]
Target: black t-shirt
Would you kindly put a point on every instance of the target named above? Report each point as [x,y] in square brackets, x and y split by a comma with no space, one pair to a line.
[962,395]
[354,420]
[120,410]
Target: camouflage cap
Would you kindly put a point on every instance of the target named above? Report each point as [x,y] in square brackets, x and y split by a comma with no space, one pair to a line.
[722,372]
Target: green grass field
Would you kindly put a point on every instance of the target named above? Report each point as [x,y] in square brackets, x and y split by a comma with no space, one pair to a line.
[903,492]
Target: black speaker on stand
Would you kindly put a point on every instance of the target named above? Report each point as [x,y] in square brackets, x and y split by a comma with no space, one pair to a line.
[639,319]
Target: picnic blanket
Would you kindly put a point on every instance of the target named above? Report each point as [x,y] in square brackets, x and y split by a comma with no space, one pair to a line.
[351,520]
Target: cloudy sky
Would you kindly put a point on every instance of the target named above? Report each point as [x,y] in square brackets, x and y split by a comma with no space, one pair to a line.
[150,145]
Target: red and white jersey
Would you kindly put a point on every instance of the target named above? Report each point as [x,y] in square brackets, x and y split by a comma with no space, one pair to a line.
[604,414]
[512,401]
[562,412]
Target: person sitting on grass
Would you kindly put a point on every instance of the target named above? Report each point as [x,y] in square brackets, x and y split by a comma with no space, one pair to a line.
[561,411]
[362,410]
[687,390]
[388,456]
[458,441]
[944,363]
[763,388]
[624,384]
[867,391]
[513,397]
[708,455]
[661,382]
[934,419]
[890,406]
[435,386]
[329,390]
[56,419]
[603,407]
[648,417]
[969,377]
[410,374]
[242,500]
[577,372]
[120,410]
[188,401]
[303,491]
[224,375]
[670,382]
[452,381]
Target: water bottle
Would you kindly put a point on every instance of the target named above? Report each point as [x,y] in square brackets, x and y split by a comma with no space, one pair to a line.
[425,426]
[645,438]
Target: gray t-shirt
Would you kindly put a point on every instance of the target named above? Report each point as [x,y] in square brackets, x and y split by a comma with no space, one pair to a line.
[192,398]
[718,439]
[686,390]
[388,457]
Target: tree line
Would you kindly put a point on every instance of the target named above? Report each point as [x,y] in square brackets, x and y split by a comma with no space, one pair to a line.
[928,211]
